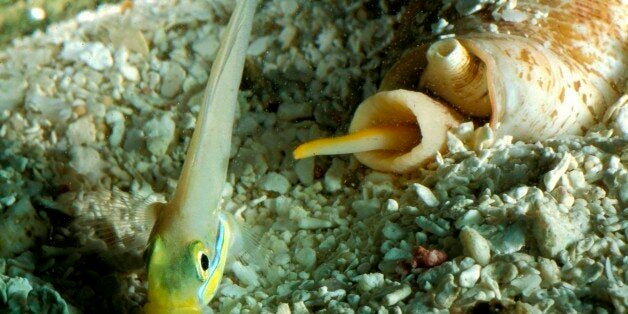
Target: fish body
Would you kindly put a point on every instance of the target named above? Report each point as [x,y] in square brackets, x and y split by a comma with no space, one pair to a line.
[189,243]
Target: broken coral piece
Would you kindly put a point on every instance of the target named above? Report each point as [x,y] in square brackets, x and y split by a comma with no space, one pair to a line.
[424,258]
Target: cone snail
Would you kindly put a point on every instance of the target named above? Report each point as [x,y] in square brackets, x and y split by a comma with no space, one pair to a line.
[533,69]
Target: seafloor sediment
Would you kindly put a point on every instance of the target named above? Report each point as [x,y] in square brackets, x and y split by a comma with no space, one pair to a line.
[107,102]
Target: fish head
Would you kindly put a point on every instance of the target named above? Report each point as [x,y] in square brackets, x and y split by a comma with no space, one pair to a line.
[183,275]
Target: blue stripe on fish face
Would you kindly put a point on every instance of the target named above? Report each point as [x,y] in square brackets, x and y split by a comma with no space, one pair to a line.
[220,239]
[215,262]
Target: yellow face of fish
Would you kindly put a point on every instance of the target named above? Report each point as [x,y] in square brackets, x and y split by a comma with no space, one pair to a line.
[184,278]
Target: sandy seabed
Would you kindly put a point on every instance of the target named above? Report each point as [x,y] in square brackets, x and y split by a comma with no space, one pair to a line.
[96,114]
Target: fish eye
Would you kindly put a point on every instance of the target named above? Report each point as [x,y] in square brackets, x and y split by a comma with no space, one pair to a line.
[204,262]
[200,258]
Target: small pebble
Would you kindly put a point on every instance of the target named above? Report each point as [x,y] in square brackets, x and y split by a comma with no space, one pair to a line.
[306,257]
[475,245]
[207,47]
[483,138]
[551,178]
[304,168]
[430,226]
[12,91]
[86,161]
[274,182]
[245,274]
[368,282]
[550,273]
[314,223]
[21,227]
[396,254]
[353,299]
[425,195]
[553,231]
[82,131]
[397,295]
[232,291]
[471,217]
[392,231]
[95,55]
[469,277]
[446,292]
[334,176]
[300,308]
[159,134]
[391,205]
[526,284]
[283,308]
[172,79]
[259,45]
[115,120]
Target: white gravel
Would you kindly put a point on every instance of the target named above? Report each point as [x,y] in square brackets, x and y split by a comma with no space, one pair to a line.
[108,100]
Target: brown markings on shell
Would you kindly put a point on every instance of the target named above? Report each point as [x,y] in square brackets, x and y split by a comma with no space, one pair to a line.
[562,31]
[559,31]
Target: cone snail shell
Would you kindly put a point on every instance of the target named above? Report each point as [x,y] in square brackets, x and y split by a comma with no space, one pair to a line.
[553,72]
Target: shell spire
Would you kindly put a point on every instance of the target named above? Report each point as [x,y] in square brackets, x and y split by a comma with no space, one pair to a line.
[458,77]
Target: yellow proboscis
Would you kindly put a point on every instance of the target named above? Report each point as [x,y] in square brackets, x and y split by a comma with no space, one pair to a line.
[394,138]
